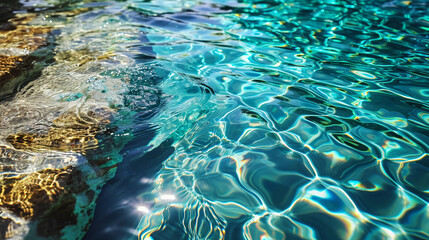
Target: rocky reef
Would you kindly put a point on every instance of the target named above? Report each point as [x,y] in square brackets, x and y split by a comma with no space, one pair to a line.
[47,197]
[69,132]
[42,188]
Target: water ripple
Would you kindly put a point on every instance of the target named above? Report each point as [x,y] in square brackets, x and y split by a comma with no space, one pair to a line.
[311,121]
[272,119]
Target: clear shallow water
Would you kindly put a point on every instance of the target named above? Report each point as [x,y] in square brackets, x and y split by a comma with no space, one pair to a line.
[240,120]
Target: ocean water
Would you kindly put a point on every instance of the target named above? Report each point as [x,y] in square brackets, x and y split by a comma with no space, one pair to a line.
[229,119]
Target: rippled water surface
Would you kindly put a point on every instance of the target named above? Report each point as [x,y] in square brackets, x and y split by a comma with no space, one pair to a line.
[212,119]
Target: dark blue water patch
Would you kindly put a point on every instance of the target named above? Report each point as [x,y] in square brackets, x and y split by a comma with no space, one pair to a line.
[116,214]
[143,58]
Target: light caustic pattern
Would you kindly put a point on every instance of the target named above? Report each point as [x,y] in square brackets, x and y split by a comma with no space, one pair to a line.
[56,125]
[315,125]
[289,119]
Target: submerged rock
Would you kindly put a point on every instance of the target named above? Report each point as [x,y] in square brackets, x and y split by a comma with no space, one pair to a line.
[20,39]
[70,132]
[24,36]
[8,227]
[47,196]
[11,66]
[18,42]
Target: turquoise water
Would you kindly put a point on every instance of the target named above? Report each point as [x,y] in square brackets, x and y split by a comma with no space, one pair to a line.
[241,119]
